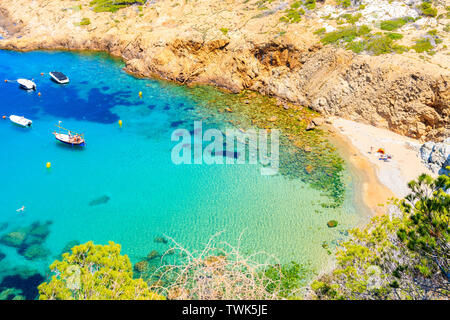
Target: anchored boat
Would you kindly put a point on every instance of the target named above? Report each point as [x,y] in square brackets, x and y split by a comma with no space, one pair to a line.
[26,84]
[59,77]
[21,121]
[69,137]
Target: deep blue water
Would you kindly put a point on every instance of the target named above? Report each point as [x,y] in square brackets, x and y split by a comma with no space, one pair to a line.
[123,186]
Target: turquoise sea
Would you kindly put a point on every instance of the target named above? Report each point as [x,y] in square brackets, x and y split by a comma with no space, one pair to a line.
[123,186]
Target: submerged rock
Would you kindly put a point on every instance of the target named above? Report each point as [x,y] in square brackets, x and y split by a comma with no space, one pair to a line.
[3,226]
[40,230]
[9,294]
[332,224]
[160,240]
[101,200]
[153,254]
[13,239]
[35,251]
[69,245]
[141,266]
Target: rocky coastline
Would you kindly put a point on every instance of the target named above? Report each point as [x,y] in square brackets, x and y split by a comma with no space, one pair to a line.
[397,92]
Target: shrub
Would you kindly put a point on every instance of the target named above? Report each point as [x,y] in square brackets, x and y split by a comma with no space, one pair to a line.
[394,24]
[383,44]
[85,22]
[293,15]
[220,271]
[352,19]
[345,34]
[403,255]
[422,45]
[356,47]
[310,4]
[344,3]
[394,36]
[320,31]
[427,10]
[113,5]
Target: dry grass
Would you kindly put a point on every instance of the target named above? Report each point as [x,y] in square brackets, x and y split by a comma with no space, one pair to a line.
[217,272]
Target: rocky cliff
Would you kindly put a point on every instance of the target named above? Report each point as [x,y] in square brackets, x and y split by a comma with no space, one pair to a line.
[237,45]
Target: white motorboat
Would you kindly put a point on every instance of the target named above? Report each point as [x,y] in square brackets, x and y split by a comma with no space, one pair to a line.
[27,84]
[59,77]
[21,121]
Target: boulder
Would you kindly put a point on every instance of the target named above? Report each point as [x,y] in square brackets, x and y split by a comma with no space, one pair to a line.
[160,240]
[141,266]
[34,252]
[13,239]
[152,255]
[436,155]
[332,224]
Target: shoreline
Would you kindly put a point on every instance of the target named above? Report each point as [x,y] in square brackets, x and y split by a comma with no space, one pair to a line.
[380,179]
[370,193]
[158,43]
[375,184]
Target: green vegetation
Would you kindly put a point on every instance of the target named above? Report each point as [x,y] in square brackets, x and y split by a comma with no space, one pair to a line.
[356,46]
[113,5]
[352,19]
[427,9]
[293,15]
[374,43]
[224,31]
[390,25]
[404,255]
[295,12]
[344,3]
[286,280]
[85,22]
[310,4]
[320,31]
[92,272]
[394,35]
[422,45]
[345,34]
[381,44]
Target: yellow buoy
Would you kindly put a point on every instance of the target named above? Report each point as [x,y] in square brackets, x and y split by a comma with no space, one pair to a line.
[140,94]
[120,122]
[39,94]
[48,165]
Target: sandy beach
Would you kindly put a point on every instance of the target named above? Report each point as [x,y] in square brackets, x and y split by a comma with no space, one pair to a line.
[394,174]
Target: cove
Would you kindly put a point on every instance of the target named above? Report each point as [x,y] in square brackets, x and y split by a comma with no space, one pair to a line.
[123,186]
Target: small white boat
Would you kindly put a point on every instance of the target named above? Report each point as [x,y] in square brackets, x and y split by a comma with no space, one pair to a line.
[27,84]
[21,121]
[72,138]
[59,77]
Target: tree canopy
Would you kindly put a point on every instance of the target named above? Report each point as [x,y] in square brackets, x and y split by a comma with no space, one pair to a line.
[404,255]
[94,272]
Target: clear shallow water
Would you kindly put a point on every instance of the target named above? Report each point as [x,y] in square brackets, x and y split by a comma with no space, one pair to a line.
[148,195]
